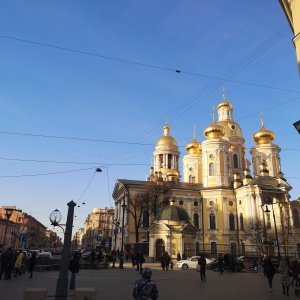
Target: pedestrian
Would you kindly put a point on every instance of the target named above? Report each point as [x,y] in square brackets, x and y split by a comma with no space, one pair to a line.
[132,256]
[285,276]
[31,263]
[141,260]
[227,261]
[295,266]
[114,257]
[145,288]
[183,256]
[202,264]
[93,259]
[6,260]
[178,256]
[269,271]
[127,255]
[74,268]
[18,263]
[220,263]
[136,258]
[168,258]
[163,260]
[171,263]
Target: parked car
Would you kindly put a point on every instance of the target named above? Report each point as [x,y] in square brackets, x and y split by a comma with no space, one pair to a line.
[239,265]
[44,255]
[190,263]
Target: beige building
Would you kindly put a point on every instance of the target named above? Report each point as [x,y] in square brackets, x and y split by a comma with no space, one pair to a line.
[291,9]
[219,207]
[98,229]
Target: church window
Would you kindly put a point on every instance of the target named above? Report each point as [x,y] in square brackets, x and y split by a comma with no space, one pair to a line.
[296,218]
[180,202]
[211,203]
[161,158]
[195,203]
[211,169]
[235,161]
[231,221]
[230,203]
[196,220]
[169,161]
[213,248]
[212,221]
[145,218]
[241,221]
[211,156]
[191,179]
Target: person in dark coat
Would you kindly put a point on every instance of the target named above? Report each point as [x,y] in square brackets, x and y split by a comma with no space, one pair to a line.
[220,263]
[178,256]
[74,268]
[202,264]
[269,271]
[141,260]
[31,264]
[6,263]
[136,259]
[145,288]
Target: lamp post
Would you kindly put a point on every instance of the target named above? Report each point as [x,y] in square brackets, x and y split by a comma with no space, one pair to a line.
[8,213]
[62,280]
[122,242]
[117,224]
[269,201]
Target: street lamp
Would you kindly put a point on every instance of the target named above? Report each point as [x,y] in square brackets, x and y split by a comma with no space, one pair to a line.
[117,224]
[8,213]
[297,126]
[269,201]
[62,280]
[121,253]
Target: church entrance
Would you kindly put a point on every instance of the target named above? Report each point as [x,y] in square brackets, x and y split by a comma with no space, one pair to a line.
[160,248]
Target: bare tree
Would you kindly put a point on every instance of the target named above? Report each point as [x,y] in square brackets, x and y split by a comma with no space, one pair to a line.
[258,235]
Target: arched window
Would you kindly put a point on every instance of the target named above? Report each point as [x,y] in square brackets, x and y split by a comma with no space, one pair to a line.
[241,221]
[211,169]
[235,161]
[191,179]
[212,221]
[296,218]
[196,220]
[231,222]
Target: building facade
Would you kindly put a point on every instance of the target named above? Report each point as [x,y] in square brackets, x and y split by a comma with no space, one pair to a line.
[227,208]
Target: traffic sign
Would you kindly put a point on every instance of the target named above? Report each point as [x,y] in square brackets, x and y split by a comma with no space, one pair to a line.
[22,237]
[99,238]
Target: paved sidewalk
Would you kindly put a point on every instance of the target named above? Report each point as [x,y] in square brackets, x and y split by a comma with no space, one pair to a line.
[175,285]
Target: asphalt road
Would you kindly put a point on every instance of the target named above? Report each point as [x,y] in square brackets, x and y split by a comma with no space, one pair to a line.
[176,284]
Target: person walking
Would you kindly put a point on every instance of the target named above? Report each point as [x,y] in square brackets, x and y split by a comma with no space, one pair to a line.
[31,263]
[18,264]
[145,288]
[220,263]
[178,256]
[285,276]
[269,271]
[202,264]
[6,259]
[74,268]
[141,260]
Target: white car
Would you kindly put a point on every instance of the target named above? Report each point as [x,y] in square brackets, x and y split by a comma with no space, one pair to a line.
[44,255]
[190,263]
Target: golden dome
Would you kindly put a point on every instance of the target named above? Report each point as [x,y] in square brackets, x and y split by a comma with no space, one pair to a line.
[231,127]
[172,173]
[194,147]
[166,139]
[214,131]
[225,103]
[263,136]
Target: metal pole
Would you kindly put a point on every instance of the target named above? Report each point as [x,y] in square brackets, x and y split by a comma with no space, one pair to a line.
[121,252]
[277,242]
[62,280]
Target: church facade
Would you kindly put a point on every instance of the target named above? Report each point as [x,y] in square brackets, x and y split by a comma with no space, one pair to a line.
[216,205]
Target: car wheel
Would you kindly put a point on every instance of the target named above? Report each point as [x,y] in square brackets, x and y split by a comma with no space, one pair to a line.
[184,267]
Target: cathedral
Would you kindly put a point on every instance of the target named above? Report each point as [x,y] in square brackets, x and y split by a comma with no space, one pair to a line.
[217,205]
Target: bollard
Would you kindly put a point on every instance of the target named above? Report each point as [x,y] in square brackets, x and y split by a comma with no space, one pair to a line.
[35,294]
[85,294]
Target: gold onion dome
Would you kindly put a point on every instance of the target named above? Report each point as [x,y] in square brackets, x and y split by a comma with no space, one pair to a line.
[194,147]
[172,173]
[214,131]
[166,139]
[224,103]
[263,136]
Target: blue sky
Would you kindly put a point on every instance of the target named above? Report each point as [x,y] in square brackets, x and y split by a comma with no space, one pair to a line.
[101,76]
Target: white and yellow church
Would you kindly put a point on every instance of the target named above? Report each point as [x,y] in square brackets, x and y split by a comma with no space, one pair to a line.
[216,205]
